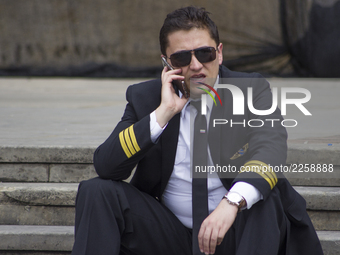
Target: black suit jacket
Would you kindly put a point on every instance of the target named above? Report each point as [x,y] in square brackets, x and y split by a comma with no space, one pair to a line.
[130,145]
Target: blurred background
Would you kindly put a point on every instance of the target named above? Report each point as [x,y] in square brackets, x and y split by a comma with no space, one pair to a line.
[119,38]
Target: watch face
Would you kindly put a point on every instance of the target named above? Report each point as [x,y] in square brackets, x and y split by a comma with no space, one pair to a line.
[234,197]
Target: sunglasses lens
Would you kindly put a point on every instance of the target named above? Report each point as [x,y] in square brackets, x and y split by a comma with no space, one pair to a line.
[205,55]
[181,59]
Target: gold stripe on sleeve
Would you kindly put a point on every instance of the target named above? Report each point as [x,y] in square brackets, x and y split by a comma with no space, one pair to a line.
[123,144]
[133,138]
[263,170]
[128,141]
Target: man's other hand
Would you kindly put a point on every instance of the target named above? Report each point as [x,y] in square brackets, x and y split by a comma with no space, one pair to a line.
[215,226]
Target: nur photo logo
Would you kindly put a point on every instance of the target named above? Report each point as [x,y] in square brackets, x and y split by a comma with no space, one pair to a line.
[287,95]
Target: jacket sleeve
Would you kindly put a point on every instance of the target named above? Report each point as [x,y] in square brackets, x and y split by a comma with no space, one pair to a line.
[128,143]
[267,145]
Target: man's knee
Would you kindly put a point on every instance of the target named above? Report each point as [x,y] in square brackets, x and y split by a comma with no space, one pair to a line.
[96,188]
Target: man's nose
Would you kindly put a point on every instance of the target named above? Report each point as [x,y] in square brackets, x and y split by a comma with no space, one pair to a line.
[195,64]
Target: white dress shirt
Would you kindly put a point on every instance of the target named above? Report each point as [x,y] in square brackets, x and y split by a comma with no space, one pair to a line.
[178,192]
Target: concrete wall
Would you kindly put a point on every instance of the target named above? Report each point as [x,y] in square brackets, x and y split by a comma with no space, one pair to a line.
[64,33]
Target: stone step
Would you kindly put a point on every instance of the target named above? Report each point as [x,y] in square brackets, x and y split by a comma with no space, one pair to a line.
[53,204]
[64,194]
[323,206]
[44,240]
[36,215]
[46,154]
[308,164]
[320,198]
[46,164]
[325,175]
[313,164]
[37,203]
[47,194]
[316,153]
[37,239]
[72,173]
[37,172]
[330,241]
[320,182]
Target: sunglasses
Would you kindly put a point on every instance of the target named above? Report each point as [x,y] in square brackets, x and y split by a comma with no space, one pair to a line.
[183,58]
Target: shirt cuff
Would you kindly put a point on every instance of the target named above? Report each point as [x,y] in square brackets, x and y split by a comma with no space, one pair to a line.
[155,129]
[251,194]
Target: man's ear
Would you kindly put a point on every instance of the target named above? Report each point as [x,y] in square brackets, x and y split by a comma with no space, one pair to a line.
[220,53]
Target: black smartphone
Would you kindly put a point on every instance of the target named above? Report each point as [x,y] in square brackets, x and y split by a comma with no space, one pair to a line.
[176,83]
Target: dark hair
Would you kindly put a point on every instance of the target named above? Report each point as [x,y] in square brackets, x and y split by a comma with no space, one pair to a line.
[185,19]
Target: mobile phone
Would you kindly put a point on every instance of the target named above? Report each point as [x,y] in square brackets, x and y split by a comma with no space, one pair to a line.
[176,83]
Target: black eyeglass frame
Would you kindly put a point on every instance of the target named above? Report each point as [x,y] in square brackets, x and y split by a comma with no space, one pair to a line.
[187,54]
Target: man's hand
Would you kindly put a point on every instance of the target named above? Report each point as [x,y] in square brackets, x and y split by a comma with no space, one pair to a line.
[215,226]
[171,104]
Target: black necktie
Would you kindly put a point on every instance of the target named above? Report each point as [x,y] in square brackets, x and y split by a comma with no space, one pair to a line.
[199,181]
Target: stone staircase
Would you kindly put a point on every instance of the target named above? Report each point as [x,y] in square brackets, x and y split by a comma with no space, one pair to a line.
[39,185]
[37,197]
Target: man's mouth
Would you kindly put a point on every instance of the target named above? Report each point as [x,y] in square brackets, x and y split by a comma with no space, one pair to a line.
[197,77]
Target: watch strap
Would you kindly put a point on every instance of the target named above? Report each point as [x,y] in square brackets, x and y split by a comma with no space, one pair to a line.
[241,204]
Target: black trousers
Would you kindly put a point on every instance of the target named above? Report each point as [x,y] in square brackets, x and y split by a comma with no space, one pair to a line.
[114,218]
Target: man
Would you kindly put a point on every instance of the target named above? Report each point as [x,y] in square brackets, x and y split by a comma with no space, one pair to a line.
[156,212]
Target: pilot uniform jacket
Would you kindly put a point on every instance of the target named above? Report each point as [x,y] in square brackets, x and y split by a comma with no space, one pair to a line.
[242,143]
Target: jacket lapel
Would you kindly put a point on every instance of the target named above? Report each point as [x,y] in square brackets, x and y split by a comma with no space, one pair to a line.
[214,137]
[169,142]
[218,143]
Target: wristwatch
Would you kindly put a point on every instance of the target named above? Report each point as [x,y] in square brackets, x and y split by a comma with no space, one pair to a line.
[234,198]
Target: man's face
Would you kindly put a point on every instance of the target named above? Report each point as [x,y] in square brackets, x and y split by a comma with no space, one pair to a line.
[195,71]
